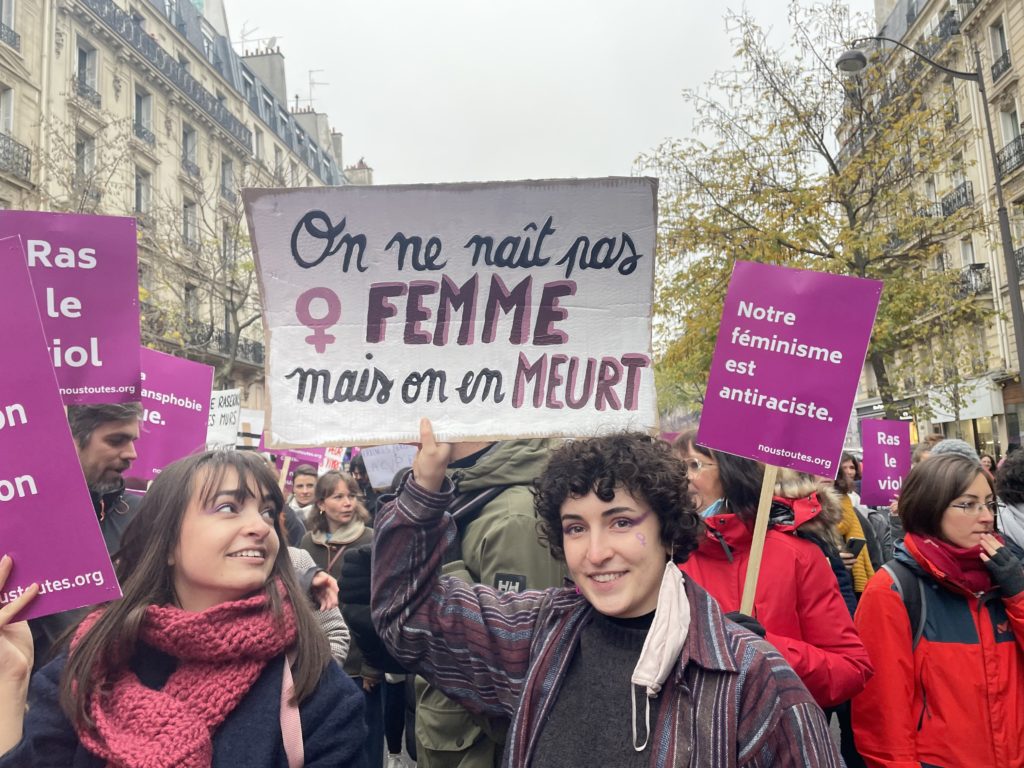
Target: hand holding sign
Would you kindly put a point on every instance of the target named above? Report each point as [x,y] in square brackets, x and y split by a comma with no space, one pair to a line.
[431,460]
[16,655]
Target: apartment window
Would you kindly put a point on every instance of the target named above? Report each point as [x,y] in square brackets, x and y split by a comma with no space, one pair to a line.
[293,173]
[87,63]
[257,140]
[85,154]
[227,244]
[997,33]
[143,108]
[227,178]
[248,86]
[7,13]
[1009,123]
[278,164]
[267,111]
[138,19]
[143,190]
[957,174]
[191,301]
[189,224]
[930,193]
[6,110]
[183,62]
[282,122]
[966,252]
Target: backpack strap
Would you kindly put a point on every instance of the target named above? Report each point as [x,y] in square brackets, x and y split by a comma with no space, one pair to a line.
[464,509]
[291,725]
[910,588]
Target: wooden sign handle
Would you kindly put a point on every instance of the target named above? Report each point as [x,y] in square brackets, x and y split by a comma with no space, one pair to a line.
[764,506]
[283,479]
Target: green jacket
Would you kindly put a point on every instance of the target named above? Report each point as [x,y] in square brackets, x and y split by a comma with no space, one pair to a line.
[500,548]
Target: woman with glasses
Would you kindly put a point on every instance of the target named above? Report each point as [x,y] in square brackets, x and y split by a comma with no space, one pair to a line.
[945,630]
[798,604]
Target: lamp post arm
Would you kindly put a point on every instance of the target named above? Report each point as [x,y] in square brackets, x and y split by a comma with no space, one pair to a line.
[974,76]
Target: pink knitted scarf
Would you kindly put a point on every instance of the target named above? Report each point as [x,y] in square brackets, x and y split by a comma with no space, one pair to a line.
[220,651]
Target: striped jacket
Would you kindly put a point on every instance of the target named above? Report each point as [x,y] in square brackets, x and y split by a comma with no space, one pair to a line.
[732,701]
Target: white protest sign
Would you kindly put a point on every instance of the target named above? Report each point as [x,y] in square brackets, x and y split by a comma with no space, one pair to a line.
[334,459]
[497,310]
[222,428]
[384,461]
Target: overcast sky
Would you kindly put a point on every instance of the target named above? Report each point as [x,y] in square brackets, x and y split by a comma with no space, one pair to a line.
[483,90]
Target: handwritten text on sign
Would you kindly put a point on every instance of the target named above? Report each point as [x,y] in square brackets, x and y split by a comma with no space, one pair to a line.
[85,276]
[786,364]
[886,459]
[494,309]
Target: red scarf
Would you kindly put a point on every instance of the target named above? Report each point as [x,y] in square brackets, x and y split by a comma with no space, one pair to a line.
[220,651]
[962,567]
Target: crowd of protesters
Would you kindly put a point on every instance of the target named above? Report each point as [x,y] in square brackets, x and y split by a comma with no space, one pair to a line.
[530,603]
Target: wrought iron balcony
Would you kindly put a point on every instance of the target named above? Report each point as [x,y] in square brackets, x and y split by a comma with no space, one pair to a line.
[1019,256]
[87,92]
[228,194]
[973,279]
[9,36]
[15,158]
[145,134]
[123,25]
[931,211]
[965,7]
[949,25]
[190,168]
[190,241]
[1001,66]
[961,196]
[1011,157]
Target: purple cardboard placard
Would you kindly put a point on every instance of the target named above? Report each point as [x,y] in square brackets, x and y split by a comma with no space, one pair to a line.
[47,521]
[176,408]
[85,276]
[298,456]
[784,374]
[886,459]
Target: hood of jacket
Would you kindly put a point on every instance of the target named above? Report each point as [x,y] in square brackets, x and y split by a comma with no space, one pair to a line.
[508,462]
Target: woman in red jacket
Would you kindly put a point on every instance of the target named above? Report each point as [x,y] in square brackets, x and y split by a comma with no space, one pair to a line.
[797,599]
[950,690]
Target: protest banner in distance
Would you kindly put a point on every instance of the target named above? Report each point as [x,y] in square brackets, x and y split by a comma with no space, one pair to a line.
[225,418]
[886,459]
[47,522]
[291,458]
[786,364]
[85,276]
[383,462]
[497,310]
[334,459]
[175,397]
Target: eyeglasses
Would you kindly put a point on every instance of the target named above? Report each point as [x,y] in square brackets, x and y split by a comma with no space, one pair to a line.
[975,507]
[694,466]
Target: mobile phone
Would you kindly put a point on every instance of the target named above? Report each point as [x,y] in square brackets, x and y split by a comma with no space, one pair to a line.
[854,545]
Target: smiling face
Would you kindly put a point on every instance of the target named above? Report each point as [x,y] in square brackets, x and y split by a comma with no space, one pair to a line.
[963,528]
[849,469]
[339,506]
[227,546]
[614,552]
[303,488]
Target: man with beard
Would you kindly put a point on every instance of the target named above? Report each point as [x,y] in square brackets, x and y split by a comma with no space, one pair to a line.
[105,438]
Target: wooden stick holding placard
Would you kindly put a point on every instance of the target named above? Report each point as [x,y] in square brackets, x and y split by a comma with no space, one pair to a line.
[283,479]
[764,507]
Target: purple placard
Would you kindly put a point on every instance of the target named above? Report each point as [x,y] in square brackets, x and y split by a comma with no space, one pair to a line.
[176,408]
[785,369]
[47,521]
[886,459]
[85,275]
[298,456]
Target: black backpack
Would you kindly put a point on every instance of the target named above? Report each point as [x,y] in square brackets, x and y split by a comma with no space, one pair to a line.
[910,588]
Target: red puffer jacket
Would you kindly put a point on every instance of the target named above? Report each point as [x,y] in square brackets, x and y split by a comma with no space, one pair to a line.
[957,699]
[797,600]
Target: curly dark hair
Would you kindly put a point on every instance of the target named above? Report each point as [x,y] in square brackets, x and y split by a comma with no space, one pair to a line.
[633,461]
[1010,478]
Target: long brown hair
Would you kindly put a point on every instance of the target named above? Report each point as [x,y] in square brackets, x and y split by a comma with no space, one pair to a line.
[147,579]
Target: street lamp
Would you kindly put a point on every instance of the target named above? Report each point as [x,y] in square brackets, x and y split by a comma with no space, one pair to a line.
[854,61]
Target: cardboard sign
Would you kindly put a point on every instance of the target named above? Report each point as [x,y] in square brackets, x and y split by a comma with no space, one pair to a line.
[334,459]
[496,310]
[383,462]
[225,418]
[250,430]
[85,276]
[175,397]
[886,460]
[47,522]
[784,373]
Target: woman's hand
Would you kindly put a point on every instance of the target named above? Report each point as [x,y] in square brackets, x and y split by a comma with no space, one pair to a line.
[15,661]
[325,590]
[1005,568]
[431,459]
